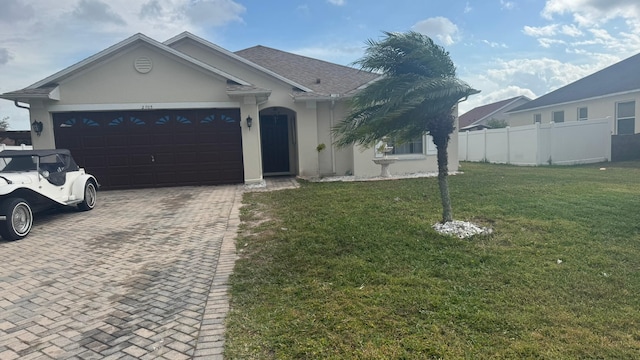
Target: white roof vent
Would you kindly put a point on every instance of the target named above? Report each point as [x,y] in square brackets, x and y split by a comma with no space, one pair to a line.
[143,65]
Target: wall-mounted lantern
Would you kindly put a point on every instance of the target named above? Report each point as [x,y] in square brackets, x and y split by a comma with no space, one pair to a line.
[37,127]
[249,121]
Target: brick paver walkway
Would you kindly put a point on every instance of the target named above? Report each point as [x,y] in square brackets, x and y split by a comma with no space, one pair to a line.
[142,276]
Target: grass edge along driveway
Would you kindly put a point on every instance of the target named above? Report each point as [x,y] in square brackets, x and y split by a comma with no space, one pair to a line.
[354,270]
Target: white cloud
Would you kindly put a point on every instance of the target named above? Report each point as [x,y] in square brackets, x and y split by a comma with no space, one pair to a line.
[544,74]
[343,54]
[494,95]
[501,79]
[552,30]
[534,31]
[494,44]
[602,35]
[337,2]
[580,52]
[593,25]
[467,8]
[623,44]
[590,12]
[507,5]
[547,42]
[439,28]
[571,30]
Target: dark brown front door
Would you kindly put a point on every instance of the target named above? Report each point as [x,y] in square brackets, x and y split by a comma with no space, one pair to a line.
[133,149]
[274,137]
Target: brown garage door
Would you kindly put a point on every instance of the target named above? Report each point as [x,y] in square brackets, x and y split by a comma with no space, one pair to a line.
[150,148]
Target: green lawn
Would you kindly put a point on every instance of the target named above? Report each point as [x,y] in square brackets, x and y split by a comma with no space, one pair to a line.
[355,271]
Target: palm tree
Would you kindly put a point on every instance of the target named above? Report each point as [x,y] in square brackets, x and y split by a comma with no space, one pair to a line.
[416,94]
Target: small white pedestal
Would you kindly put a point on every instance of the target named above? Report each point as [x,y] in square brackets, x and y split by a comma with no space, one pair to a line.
[384,163]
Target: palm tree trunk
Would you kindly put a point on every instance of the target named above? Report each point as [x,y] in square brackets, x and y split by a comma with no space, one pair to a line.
[443,173]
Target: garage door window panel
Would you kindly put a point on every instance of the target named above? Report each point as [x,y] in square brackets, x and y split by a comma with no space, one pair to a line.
[74,122]
[119,121]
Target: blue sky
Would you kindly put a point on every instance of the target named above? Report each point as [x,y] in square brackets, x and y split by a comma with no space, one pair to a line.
[504,48]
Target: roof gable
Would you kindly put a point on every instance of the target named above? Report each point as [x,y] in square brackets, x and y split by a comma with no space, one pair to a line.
[480,113]
[114,49]
[322,77]
[187,36]
[620,77]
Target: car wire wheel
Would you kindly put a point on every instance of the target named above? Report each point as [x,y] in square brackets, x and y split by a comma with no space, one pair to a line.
[18,219]
[21,219]
[90,196]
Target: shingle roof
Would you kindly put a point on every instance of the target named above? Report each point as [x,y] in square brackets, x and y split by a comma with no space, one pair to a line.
[28,93]
[323,77]
[620,77]
[480,112]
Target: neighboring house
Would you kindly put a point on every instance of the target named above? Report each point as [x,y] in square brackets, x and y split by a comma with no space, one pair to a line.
[187,112]
[613,93]
[15,137]
[477,118]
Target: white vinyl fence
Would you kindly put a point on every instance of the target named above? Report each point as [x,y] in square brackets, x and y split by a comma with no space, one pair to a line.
[574,142]
[15,147]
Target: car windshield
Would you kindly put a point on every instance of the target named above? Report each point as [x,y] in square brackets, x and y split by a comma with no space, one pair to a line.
[18,163]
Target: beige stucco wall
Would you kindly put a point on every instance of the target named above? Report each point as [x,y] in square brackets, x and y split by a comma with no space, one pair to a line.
[325,157]
[38,112]
[307,138]
[599,108]
[280,89]
[333,160]
[344,157]
[364,166]
[251,152]
[116,81]
[358,160]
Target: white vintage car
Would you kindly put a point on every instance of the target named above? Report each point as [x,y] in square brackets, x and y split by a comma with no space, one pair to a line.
[37,180]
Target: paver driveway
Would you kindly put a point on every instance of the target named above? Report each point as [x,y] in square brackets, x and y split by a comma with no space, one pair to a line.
[140,276]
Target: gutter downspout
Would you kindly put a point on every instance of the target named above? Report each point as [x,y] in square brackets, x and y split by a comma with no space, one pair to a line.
[333,148]
[15,102]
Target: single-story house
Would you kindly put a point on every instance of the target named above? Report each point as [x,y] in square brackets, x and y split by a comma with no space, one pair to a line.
[478,117]
[142,113]
[613,92]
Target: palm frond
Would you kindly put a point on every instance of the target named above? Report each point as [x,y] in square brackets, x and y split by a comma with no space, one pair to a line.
[417,91]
